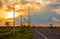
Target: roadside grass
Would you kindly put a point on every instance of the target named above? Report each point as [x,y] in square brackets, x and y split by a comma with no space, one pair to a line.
[5,30]
[21,33]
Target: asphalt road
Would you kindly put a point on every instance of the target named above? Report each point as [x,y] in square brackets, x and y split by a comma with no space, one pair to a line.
[43,33]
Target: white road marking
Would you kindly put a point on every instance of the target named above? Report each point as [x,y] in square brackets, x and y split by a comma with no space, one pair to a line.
[42,34]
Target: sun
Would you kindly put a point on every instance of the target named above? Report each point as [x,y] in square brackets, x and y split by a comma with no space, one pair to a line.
[10,14]
[6,12]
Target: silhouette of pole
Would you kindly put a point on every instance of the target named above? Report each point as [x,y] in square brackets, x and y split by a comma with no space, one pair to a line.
[21,20]
[29,16]
[13,19]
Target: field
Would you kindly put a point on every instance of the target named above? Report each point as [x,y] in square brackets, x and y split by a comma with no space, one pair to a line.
[20,33]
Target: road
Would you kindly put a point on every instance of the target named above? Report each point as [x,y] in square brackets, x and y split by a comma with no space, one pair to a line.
[43,33]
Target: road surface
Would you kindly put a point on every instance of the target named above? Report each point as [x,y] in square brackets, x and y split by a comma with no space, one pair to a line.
[44,33]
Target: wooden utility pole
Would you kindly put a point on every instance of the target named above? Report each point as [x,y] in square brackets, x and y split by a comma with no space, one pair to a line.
[29,16]
[14,19]
[21,20]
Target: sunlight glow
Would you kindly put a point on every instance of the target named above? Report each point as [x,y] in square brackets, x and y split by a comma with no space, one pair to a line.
[20,8]
[10,14]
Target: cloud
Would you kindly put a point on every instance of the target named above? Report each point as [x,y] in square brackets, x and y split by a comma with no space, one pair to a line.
[42,2]
[57,10]
[55,19]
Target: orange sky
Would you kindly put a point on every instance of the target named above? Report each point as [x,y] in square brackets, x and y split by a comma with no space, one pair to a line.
[6,10]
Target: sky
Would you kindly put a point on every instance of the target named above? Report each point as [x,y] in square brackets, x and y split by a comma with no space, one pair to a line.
[50,13]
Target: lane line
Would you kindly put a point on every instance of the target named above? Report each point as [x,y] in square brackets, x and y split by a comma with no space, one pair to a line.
[41,34]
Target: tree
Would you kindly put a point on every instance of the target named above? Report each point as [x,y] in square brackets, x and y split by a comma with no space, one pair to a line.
[51,26]
[7,24]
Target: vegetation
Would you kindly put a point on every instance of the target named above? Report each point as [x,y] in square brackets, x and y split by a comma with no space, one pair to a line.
[50,28]
[20,33]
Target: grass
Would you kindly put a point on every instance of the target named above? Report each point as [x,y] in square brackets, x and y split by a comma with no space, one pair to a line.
[21,33]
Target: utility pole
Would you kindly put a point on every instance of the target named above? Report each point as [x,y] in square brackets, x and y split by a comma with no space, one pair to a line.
[13,19]
[21,20]
[29,16]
